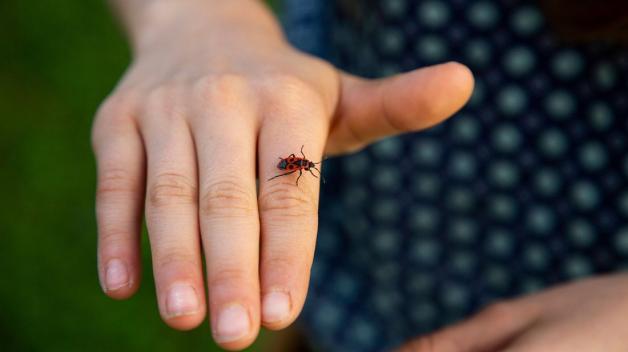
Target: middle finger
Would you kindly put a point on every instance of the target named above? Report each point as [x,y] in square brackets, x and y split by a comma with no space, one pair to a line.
[225,143]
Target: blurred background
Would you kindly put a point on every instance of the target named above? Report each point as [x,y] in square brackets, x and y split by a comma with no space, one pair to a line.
[58,60]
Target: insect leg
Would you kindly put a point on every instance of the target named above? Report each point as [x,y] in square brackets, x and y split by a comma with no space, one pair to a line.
[302,151]
[300,173]
[287,173]
[319,172]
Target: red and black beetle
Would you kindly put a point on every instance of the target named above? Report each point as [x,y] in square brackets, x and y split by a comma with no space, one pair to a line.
[293,164]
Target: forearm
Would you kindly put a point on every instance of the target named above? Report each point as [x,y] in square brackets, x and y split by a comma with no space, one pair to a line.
[146,20]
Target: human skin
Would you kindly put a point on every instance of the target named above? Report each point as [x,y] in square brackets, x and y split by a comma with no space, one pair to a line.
[589,315]
[213,96]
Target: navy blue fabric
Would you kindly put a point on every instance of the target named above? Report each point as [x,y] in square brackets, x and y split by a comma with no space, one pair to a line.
[524,188]
[305,22]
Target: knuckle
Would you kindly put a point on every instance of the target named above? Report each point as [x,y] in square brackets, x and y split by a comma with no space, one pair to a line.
[289,82]
[116,114]
[287,267]
[112,237]
[292,92]
[165,101]
[284,200]
[227,198]
[222,88]
[114,181]
[175,257]
[280,263]
[170,189]
[116,106]
[227,277]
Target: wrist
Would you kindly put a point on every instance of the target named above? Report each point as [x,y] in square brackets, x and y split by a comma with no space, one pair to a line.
[169,20]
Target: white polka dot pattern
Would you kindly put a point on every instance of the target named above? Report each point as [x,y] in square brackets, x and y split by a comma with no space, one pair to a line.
[524,188]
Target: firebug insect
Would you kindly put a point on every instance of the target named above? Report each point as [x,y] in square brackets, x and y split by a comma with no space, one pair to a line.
[294,163]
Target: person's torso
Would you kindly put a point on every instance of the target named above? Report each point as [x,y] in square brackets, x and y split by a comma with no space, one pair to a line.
[524,188]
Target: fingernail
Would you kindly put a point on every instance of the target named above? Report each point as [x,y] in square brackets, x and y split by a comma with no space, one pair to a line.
[116,275]
[181,300]
[233,323]
[275,307]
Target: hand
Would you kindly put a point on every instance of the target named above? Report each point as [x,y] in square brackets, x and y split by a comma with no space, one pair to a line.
[589,315]
[213,91]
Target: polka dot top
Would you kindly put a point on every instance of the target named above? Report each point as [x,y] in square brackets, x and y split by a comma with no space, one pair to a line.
[524,188]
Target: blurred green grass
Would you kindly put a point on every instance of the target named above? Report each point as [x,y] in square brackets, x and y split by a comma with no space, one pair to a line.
[58,60]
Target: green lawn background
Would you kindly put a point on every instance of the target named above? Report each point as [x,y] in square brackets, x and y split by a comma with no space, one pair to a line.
[58,60]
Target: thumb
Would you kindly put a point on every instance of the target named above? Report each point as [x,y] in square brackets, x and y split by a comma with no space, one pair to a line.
[372,109]
[490,330]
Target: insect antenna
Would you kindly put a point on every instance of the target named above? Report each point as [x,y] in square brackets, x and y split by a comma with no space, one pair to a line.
[302,151]
[324,158]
